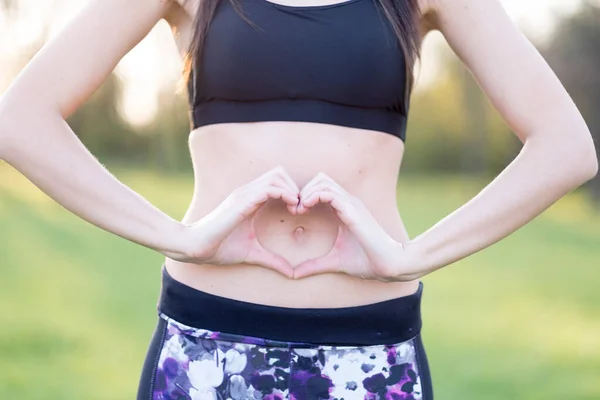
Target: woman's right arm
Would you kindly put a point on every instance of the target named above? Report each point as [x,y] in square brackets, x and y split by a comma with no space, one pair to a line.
[36,140]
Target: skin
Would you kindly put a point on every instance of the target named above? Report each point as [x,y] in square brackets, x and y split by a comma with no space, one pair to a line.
[285,218]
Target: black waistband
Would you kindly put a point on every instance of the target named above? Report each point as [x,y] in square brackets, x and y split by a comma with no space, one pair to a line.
[387,322]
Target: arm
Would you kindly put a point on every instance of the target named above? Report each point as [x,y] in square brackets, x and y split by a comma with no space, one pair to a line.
[558,153]
[36,140]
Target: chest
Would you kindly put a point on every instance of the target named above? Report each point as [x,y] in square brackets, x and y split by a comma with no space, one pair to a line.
[348,50]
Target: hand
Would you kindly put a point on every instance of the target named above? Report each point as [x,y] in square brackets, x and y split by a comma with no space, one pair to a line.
[362,247]
[226,236]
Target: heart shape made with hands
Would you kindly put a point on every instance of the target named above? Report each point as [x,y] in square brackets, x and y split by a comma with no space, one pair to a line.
[362,248]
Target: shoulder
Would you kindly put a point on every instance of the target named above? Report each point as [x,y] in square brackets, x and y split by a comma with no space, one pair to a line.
[186,7]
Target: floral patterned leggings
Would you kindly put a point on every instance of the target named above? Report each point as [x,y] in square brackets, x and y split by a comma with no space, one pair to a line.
[192,363]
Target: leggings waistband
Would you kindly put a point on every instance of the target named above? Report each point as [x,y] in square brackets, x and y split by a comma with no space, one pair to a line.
[386,322]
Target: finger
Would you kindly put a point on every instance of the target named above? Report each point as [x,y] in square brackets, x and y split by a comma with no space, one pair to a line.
[307,192]
[320,183]
[323,196]
[290,197]
[320,265]
[260,256]
[340,202]
[316,180]
[253,200]
[293,209]
[291,183]
[282,180]
[326,187]
[276,193]
[295,191]
[278,176]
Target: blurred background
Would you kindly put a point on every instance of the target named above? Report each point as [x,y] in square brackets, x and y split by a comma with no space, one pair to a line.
[519,320]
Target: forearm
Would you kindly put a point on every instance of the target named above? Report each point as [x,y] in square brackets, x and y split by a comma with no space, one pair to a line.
[42,147]
[541,174]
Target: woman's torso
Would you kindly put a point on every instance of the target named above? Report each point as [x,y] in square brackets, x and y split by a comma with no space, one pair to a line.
[228,155]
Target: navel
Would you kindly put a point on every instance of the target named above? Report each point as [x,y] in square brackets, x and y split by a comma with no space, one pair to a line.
[299,232]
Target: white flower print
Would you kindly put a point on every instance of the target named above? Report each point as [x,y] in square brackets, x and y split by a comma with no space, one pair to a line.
[207,374]
[238,388]
[234,362]
[348,375]
[203,394]
[216,367]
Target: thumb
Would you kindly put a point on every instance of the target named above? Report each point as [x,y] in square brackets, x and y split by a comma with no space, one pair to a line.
[261,256]
[320,265]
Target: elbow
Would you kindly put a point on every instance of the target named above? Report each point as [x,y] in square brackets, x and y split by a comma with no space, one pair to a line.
[574,160]
[589,158]
[583,160]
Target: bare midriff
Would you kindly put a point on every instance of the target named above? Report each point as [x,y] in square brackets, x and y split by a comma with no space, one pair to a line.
[363,162]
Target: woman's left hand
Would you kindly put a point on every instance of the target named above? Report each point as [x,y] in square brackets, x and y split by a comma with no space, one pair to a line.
[362,247]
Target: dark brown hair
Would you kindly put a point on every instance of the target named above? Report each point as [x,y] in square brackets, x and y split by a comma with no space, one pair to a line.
[403,16]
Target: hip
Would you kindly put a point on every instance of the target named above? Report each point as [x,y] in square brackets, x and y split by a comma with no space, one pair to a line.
[256,284]
[207,346]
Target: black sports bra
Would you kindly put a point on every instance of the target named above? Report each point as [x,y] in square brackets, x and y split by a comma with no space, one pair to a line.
[338,64]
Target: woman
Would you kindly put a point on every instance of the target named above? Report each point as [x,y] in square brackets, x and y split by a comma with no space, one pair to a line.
[292,275]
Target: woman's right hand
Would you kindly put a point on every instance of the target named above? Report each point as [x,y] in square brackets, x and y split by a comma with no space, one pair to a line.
[226,236]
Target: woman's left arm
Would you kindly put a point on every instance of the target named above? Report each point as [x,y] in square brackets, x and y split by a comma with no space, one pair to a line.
[558,153]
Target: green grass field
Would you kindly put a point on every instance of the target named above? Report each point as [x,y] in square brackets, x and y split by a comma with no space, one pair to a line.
[520,320]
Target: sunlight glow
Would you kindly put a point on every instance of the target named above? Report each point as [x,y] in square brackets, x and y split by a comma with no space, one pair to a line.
[154,66]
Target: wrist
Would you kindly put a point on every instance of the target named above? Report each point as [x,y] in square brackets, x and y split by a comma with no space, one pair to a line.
[177,242]
[415,262]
